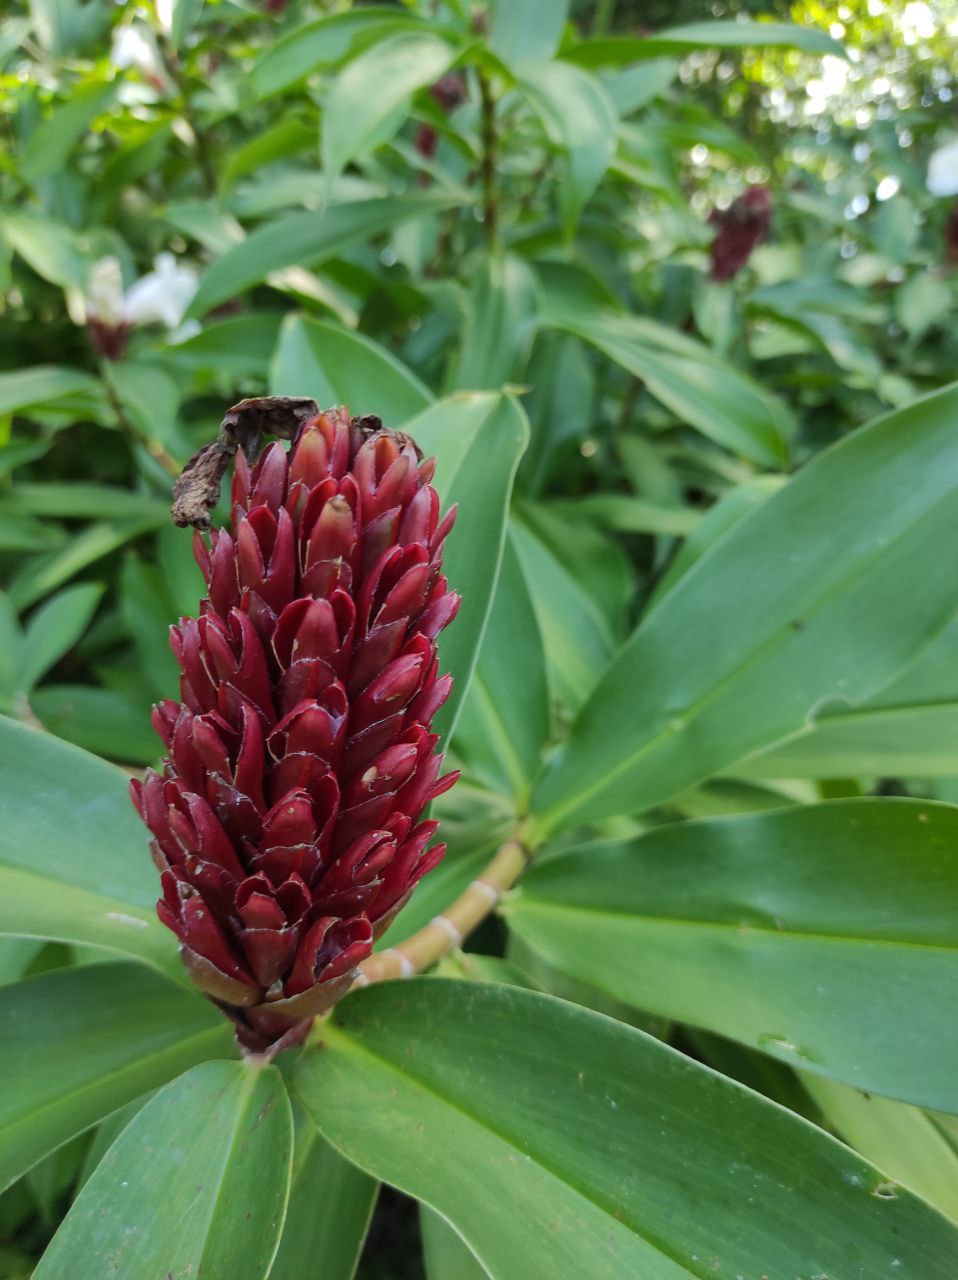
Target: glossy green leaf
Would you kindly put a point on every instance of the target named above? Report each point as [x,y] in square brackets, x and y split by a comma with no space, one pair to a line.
[324,42]
[330,1206]
[334,366]
[477,440]
[196,1185]
[372,88]
[304,239]
[776,620]
[521,29]
[54,628]
[498,325]
[49,147]
[677,41]
[579,118]
[77,1043]
[240,345]
[559,1142]
[74,861]
[504,722]
[786,930]
[904,1141]
[445,1253]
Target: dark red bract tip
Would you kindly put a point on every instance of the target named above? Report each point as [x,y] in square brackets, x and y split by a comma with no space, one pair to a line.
[286,820]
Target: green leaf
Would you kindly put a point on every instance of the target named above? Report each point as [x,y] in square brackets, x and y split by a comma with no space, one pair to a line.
[903,1140]
[238,346]
[74,862]
[284,138]
[71,500]
[498,326]
[196,1185]
[445,1253]
[786,930]
[325,42]
[776,620]
[44,573]
[41,385]
[304,239]
[50,145]
[522,29]
[477,440]
[148,613]
[49,247]
[54,629]
[108,722]
[504,722]
[334,366]
[372,88]
[678,41]
[559,1142]
[79,1043]
[330,1206]
[579,118]
[699,387]
[182,19]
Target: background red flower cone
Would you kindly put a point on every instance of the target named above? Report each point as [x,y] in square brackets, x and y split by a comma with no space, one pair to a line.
[286,821]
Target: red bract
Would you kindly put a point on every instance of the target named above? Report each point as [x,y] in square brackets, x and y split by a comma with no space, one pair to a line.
[286,821]
[742,226]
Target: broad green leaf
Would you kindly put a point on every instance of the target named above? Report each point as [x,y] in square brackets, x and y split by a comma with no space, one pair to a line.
[498,326]
[304,239]
[903,1140]
[559,1142]
[477,440]
[54,628]
[579,118]
[284,138]
[49,247]
[78,1043]
[33,388]
[504,722]
[74,862]
[196,1185]
[49,147]
[151,401]
[625,514]
[776,620]
[109,722]
[559,403]
[182,16]
[699,387]
[678,41]
[445,1253]
[522,29]
[824,935]
[16,956]
[372,88]
[325,42]
[239,346]
[330,1206]
[75,500]
[334,366]
[44,573]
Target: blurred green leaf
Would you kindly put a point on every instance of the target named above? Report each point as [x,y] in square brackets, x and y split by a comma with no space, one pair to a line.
[211,1150]
[776,620]
[49,247]
[44,573]
[50,145]
[304,239]
[578,1160]
[54,628]
[78,1043]
[785,930]
[498,327]
[27,389]
[148,613]
[107,722]
[522,29]
[313,358]
[677,41]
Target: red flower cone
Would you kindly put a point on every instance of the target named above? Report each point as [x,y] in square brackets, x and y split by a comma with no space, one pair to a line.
[740,228]
[286,821]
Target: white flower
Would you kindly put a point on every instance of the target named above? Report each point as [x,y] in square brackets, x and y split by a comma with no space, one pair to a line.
[163,295]
[942,177]
[104,296]
[134,46]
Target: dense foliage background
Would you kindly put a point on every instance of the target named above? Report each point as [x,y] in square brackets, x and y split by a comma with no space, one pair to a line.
[478,214]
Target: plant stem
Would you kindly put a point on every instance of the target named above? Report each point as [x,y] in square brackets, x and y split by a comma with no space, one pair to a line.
[490,209]
[200,140]
[448,930]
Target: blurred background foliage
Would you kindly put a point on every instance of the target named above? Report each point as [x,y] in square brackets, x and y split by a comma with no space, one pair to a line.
[699,245]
